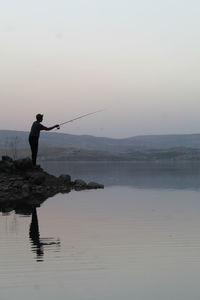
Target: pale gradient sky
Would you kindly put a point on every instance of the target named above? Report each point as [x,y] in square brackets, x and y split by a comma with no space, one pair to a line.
[139,60]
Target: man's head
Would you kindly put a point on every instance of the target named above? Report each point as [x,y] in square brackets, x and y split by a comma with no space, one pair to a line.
[39,117]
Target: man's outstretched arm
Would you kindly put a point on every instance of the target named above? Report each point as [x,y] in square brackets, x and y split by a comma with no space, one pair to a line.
[50,128]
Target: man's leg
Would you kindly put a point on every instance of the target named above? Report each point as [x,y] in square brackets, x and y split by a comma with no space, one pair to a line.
[33,141]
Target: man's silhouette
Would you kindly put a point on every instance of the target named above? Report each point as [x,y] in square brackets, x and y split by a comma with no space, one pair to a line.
[35,134]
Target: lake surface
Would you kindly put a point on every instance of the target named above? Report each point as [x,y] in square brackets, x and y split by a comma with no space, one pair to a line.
[139,238]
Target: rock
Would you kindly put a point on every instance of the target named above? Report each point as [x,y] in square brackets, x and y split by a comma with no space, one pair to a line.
[2,166]
[94,185]
[38,167]
[6,166]
[37,178]
[26,190]
[4,189]
[23,164]
[17,184]
[80,184]
[65,189]
[21,182]
[38,189]
[7,158]
[65,179]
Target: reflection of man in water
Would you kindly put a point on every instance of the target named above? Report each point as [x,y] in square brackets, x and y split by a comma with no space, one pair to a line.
[35,134]
[37,242]
[35,234]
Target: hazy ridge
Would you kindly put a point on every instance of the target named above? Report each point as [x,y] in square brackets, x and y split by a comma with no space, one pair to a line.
[60,146]
[56,139]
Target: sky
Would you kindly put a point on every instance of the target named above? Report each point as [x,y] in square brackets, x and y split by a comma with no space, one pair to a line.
[138,61]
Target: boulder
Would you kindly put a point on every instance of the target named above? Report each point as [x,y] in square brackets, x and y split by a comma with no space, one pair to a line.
[7,158]
[37,178]
[80,184]
[26,190]
[65,179]
[23,164]
[6,166]
[38,189]
[94,185]
[17,184]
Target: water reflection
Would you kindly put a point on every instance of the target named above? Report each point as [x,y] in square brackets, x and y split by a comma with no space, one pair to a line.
[34,235]
[29,208]
[38,244]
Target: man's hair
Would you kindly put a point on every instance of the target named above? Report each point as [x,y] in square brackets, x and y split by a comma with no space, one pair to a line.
[39,117]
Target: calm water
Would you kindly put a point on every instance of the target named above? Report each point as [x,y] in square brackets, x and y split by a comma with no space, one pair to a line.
[139,238]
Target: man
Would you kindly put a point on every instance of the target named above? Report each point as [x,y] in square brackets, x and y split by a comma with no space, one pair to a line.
[35,134]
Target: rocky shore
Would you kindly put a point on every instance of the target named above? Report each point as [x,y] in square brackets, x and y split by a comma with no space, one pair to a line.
[21,182]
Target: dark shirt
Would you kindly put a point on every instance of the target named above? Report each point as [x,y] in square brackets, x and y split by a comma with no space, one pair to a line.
[35,129]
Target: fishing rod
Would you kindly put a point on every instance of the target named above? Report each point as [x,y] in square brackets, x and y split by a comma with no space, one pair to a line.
[80,117]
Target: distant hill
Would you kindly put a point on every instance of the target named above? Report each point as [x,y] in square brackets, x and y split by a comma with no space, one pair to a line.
[60,146]
[55,139]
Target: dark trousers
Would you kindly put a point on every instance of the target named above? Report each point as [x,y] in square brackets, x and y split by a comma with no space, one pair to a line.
[33,141]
